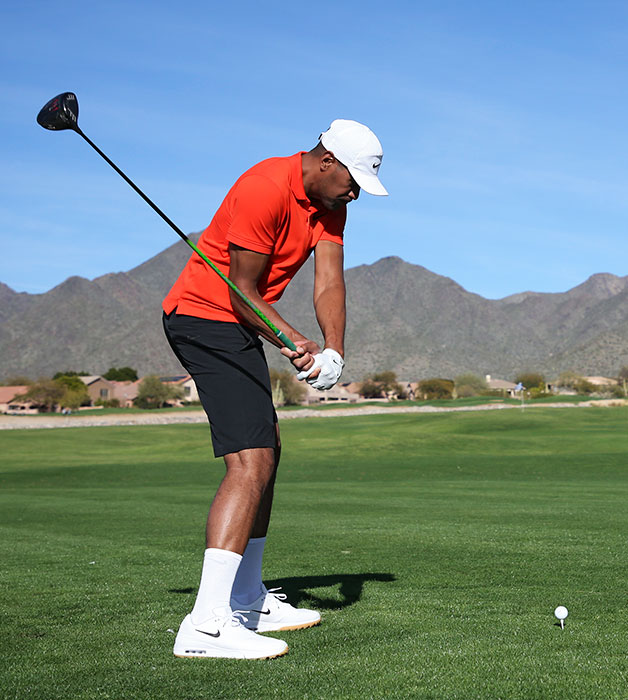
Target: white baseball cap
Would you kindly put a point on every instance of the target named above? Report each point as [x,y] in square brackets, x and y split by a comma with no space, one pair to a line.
[356,147]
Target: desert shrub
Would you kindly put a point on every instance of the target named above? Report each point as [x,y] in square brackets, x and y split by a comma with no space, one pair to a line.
[436,388]
[530,380]
[470,385]
[568,380]
[370,389]
[287,391]
[107,403]
[583,386]
[380,385]
[539,392]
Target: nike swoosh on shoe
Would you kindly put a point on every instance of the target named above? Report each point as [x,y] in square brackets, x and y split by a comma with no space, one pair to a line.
[210,634]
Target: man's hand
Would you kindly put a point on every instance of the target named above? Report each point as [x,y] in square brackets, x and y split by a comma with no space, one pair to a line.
[303,359]
[329,364]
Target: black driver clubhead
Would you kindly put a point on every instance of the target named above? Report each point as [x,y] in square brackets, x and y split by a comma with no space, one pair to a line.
[60,113]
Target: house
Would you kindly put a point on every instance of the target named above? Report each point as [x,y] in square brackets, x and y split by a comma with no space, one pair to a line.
[125,392]
[98,388]
[336,394]
[507,388]
[601,382]
[8,404]
[185,381]
[351,387]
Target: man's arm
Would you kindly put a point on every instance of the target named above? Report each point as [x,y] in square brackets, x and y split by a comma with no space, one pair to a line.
[329,294]
[245,269]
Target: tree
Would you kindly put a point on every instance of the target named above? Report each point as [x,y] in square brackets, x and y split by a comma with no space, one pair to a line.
[153,393]
[121,374]
[381,384]
[46,393]
[436,388]
[290,392]
[74,399]
[67,391]
[70,373]
[568,379]
[75,392]
[370,389]
[531,380]
[387,380]
[470,385]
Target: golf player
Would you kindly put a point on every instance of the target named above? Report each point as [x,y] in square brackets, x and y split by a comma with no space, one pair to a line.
[273,217]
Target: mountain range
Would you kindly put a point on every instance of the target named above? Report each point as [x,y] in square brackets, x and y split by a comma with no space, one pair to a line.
[400,316]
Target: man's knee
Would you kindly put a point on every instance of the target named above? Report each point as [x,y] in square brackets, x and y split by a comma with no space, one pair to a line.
[253,465]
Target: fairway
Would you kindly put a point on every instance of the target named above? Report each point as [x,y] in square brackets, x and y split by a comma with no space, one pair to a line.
[436,547]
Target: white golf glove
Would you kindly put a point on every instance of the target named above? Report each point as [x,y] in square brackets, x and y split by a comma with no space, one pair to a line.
[331,365]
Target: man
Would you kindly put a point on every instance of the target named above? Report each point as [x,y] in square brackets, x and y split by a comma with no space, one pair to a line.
[267,226]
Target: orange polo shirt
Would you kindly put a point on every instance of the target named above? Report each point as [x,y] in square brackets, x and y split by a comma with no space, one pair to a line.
[267,211]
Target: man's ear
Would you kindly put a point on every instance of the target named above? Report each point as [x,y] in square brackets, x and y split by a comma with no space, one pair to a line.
[327,161]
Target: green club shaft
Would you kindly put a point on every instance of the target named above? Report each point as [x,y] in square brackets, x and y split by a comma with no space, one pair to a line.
[279,334]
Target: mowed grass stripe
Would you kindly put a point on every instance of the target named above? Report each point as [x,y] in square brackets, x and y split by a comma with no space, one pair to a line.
[435,545]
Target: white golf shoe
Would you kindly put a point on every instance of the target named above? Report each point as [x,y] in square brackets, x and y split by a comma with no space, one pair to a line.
[271,613]
[224,636]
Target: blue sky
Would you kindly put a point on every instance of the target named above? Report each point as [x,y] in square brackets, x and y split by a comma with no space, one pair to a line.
[503,125]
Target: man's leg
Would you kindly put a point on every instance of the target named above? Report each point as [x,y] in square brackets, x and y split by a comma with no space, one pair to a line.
[231,519]
[231,374]
[243,501]
[248,585]
[266,610]
[229,524]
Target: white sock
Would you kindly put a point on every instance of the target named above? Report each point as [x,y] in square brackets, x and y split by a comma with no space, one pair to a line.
[248,581]
[219,571]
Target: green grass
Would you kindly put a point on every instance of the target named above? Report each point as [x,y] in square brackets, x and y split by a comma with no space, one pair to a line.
[435,545]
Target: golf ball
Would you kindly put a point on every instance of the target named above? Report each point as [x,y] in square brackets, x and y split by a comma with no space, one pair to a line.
[561,612]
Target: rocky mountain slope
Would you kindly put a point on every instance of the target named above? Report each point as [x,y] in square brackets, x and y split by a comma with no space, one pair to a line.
[400,316]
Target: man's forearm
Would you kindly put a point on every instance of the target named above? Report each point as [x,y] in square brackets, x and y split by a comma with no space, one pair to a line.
[251,319]
[331,316]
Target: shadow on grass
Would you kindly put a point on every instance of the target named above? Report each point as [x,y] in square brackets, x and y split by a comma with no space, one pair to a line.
[298,588]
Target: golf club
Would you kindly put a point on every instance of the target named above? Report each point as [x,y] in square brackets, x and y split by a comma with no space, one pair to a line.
[61,113]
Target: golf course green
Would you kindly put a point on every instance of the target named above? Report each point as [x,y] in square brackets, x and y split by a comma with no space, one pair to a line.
[436,547]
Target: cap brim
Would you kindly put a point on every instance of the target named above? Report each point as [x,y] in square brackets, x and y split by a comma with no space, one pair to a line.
[368,183]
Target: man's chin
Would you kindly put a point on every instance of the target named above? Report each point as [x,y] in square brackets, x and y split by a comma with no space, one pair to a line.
[333,204]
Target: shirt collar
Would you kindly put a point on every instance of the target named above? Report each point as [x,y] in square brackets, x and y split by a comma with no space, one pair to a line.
[296,179]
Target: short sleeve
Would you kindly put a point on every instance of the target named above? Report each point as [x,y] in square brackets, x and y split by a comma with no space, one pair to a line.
[258,212]
[334,226]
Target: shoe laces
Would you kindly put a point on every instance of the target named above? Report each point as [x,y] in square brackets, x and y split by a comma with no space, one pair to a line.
[279,596]
[238,617]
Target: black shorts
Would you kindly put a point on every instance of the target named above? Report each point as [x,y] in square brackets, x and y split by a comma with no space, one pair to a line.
[227,363]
